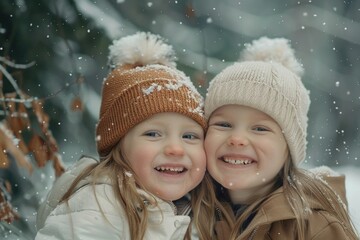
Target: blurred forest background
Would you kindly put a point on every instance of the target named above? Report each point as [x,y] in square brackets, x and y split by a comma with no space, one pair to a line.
[53,59]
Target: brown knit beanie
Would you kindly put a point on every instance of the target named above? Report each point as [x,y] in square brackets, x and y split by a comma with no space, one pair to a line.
[144,81]
[267,79]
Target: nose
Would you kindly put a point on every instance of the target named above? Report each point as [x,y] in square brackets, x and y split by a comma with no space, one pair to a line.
[174,148]
[238,141]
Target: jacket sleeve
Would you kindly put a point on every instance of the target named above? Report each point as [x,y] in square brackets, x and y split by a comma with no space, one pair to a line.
[333,231]
[86,224]
[59,188]
[91,213]
[325,226]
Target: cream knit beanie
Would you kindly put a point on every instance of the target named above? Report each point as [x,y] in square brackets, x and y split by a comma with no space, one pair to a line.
[267,79]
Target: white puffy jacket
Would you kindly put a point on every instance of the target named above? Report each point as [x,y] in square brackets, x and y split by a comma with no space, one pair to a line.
[82,218]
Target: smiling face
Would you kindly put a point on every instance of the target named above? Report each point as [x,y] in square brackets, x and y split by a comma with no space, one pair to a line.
[167,154]
[245,151]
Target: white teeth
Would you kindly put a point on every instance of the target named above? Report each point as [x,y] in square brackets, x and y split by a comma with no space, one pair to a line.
[237,161]
[172,169]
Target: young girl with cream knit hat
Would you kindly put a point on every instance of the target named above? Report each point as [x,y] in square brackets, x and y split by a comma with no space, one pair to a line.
[256,139]
[150,140]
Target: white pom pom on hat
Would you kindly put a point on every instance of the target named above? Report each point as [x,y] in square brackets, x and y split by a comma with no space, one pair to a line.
[272,50]
[142,48]
[267,78]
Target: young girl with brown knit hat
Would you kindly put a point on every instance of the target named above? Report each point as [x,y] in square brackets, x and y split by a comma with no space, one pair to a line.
[150,141]
[256,139]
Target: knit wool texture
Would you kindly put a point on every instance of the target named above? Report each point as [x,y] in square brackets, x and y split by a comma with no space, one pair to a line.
[132,94]
[270,88]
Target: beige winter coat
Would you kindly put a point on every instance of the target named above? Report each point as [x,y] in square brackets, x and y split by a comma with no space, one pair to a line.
[276,220]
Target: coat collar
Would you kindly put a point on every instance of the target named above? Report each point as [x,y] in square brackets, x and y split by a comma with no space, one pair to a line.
[276,207]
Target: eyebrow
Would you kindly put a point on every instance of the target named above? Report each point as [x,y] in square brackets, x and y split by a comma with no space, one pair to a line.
[219,114]
[161,123]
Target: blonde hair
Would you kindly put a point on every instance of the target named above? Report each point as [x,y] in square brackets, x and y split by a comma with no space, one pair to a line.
[208,209]
[298,185]
[115,167]
[125,187]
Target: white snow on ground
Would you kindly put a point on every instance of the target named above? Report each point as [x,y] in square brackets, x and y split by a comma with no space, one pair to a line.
[352,182]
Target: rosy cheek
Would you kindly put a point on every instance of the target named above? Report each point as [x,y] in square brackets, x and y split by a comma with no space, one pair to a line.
[141,155]
[201,167]
[198,175]
[202,160]
[138,157]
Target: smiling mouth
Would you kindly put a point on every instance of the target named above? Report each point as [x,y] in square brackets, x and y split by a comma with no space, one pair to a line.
[237,161]
[171,170]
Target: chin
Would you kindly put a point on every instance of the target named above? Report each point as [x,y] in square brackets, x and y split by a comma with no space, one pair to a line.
[171,197]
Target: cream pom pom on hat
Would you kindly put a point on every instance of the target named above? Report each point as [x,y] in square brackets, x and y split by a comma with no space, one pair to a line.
[267,78]
[144,81]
